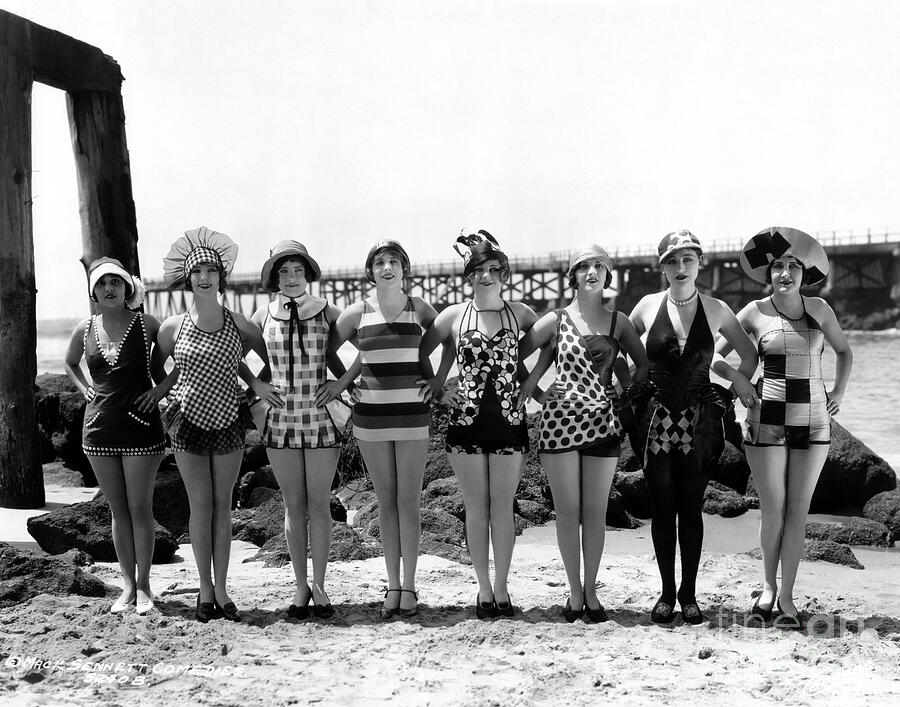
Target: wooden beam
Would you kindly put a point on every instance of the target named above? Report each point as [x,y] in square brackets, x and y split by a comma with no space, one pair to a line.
[21,478]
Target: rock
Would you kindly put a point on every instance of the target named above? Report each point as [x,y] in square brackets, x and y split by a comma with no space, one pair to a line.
[852,531]
[454,553]
[616,515]
[171,507]
[56,473]
[87,526]
[724,501]
[346,544]
[444,494]
[79,558]
[261,524]
[263,477]
[635,495]
[443,527]
[355,494]
[437,465]
[260,496]
[25,574]
[732,469]
[885,508]
[828,551]
[534,512]
[60,413]
[366,519]
[852,474]
[350,466]
[254,452]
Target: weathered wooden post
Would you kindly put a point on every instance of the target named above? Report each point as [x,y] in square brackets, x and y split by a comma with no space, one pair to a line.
[93,82]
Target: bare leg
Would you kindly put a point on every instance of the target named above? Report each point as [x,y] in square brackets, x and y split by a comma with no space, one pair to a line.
[196,473]
[804,467]
[410,464]
[111,476]
[596,478]
[503,477]
[140,475]
[290,472]
[564,473]
[381,463]
[320,467]
[769,468]
[472,472]
[225,468]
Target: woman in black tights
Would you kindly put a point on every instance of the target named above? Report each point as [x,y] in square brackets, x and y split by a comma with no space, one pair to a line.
[680,430]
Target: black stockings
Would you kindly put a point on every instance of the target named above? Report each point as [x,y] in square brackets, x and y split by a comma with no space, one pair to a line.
[676,490]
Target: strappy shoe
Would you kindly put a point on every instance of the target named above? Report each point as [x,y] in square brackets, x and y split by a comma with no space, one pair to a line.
[388,613]
[300,611]
[571,615]
[408,613]
[663,612]
[505,608]
[595,616]
[485,609]
[206,611]
[757,612]
[229,611]
[786,621]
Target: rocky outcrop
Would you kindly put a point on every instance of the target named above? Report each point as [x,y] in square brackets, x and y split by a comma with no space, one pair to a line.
[171,507]
[60,415]
[87,526]
[885,508]
[635,495]
[25,574]
[852,531]
[722,500]
[261,524]
[346,544]
[829,551]
[732,469]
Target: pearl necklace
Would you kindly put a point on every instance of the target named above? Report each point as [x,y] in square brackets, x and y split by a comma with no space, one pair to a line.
[682,302]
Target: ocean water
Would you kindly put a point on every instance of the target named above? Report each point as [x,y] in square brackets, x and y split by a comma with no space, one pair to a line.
[870,410]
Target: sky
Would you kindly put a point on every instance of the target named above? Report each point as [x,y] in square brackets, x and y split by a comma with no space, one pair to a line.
[549,123]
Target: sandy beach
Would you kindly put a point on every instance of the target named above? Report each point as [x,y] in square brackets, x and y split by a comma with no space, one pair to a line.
[70,650]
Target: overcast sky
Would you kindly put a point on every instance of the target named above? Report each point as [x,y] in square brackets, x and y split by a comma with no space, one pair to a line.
[548,123]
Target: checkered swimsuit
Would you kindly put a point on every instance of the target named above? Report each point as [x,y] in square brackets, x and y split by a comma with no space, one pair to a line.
[792,410]
[299,423]
[207,389]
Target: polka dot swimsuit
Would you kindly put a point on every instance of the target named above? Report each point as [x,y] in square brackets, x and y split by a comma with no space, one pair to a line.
[583,416]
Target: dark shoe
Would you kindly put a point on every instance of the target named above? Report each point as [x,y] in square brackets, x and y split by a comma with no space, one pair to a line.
[756,611]
[786,621]
[505,608]
[571,615]
[302,611]
[386,613]
[206,611]
[691,613]
[321,611]
[595,616]
[485,609]
[229,611]
[408,613]
[663,612]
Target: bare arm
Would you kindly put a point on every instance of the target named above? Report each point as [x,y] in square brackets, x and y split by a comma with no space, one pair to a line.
[631,344]
[835,337]
[72,363]
[251,340]
[733,337]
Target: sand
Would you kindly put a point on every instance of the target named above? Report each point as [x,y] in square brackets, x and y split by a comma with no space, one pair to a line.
[850,652]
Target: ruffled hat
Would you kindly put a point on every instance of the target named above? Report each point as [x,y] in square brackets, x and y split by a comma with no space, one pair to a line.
[675,241]
[134,287]
[382,245]
[286,249]
[777,242]
[591,251]
[476,248]
[200,245]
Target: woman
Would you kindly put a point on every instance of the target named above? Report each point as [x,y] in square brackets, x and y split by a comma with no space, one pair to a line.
[787,436]
[680,431]
[204,419]
[486,434]
[302,441]
[391,416]
[122,436]
[580,430]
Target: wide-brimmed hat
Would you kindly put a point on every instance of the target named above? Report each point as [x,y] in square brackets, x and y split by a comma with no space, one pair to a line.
[591,251]
[286,249]
[778,242]
[676,240]
[382,245]
[134,288]
[476,248]
[199,245]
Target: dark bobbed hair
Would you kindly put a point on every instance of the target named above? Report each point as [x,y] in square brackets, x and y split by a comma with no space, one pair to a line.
[272,284]
[803,275]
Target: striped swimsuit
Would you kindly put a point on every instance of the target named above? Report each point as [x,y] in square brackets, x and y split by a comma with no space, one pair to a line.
[390,407]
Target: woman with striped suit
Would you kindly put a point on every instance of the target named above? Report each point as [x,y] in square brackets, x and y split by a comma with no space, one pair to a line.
[391,416]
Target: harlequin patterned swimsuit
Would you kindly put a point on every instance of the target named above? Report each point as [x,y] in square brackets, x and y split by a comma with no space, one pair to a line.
[582,419]
[681,377]
[204,416]
[487,421]
[793,406]
[113,425]
[297,354]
